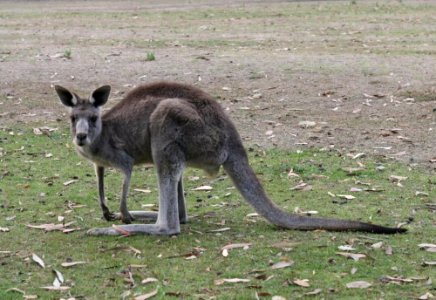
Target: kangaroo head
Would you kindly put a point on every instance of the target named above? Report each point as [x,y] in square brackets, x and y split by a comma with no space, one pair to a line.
[85,114]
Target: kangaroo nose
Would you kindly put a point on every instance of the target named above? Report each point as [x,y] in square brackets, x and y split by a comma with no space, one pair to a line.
[81,136]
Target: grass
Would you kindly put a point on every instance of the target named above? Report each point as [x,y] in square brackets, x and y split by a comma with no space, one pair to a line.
[150,56]
[34,167]
[67,54]
[391,28]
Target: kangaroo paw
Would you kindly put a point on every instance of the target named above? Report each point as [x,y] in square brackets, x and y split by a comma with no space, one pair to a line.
[127,218]
[109,216]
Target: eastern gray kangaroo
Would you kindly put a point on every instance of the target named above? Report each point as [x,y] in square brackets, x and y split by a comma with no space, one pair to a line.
[173,126]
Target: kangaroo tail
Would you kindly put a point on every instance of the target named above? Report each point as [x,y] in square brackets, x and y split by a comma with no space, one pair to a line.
[243,176]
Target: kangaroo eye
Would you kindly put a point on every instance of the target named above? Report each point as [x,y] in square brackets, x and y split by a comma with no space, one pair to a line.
[93,119]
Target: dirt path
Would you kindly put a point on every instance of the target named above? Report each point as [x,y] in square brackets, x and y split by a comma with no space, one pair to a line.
[355,77]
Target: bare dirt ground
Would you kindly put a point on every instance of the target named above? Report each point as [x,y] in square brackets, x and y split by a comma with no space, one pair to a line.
[355,77]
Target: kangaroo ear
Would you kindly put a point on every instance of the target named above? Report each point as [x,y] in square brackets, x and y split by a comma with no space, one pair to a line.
[67,98]
[100,96]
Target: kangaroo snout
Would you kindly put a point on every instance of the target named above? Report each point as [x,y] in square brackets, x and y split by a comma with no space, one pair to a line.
[81,138]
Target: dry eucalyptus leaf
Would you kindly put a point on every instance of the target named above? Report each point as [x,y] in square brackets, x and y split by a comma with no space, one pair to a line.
[69,182]
[314,292]
[397,179]
[282,264]
[203,188]
[149,280]
[353,171]
[358,285]
[72,264]
[225,249]
[54,288]
[301,282]
[354,256]
[429,263]
[285,245]
[302,186]
[230,280]
[38,260]
[428,247]
[59,277]
[146,191]
[388,250]
[291,173]
[426,296]
[377,245]
[220,229]
[307,124]
[278,298]
[4,229]
[346,248]
[51,226]
[17,290]
[147,296]
[347,197]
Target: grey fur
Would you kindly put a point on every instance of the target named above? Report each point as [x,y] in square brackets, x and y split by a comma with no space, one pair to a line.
[173,126]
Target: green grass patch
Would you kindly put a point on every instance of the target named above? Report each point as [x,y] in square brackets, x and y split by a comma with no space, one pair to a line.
[34,169]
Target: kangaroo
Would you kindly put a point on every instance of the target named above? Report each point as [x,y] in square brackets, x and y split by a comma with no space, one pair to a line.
[173,126]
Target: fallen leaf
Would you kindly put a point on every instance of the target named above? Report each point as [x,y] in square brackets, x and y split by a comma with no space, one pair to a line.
[147,296]
[69,182]
[225,249]
[421,194]
[38,260]
[346,248]
[291,173]
[4,229]
[297,210]
[428,247]
[285,245]
[388,250]
[426,296]
[355,190]
[400,279]
[72,264]
[59,279]
[354,256]
[347,197]
[307,124]
[17,290]
[146,191]
[314,292]
[278,298]
[377,245]
[429,263]
[358,285]
[302,186]
[203,188]
[220,229]
[358,155]
[301,282]
[149,280]
[54,288]
[282,264]
[397,179]
[230,280]
[353,171]
[51,226]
